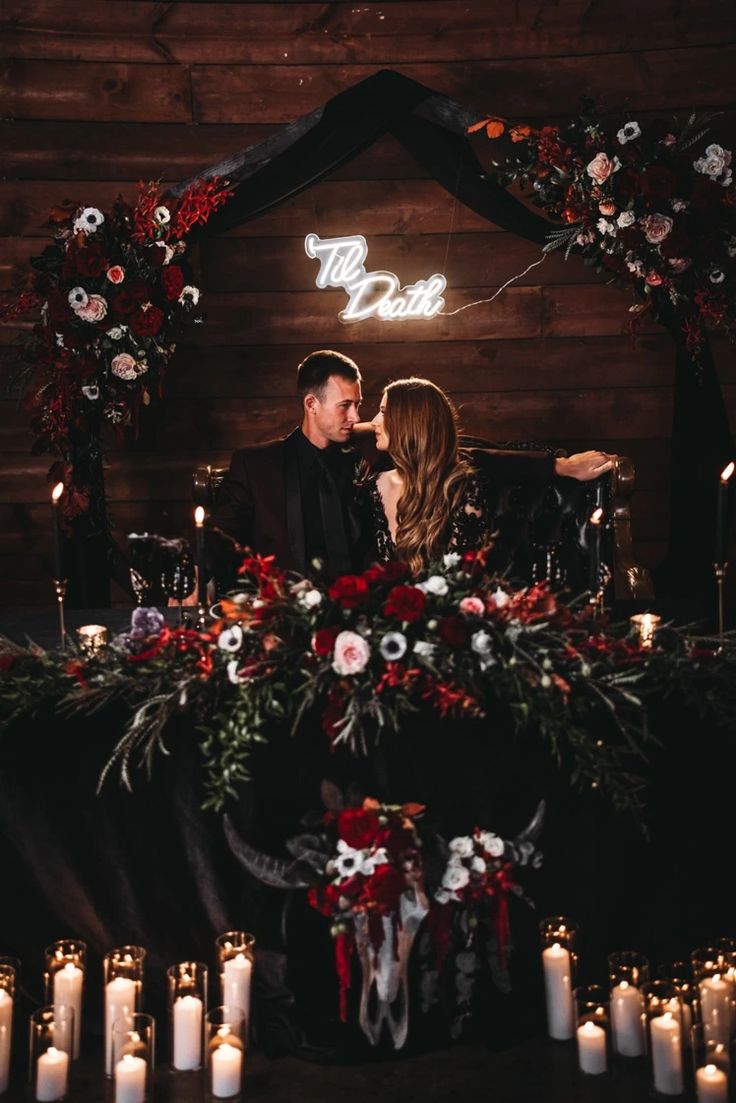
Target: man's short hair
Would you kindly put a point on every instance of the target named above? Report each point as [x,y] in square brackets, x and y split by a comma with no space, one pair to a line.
[315,369]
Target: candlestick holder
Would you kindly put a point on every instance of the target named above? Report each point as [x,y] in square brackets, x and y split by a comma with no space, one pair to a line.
[593,1031]
[559,961]
[627,972]
[123,978]
[720,569]
[60,591]
[235,950]
[712,1066]
[65,963]
[187,992]
[225,1052]
[52,1034]
[92,638]
[133,1055]
[645,625]
[680,974]
[8,985]
[664,1036]
[713,974]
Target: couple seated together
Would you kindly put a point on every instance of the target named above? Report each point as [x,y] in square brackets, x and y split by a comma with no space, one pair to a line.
[307,500]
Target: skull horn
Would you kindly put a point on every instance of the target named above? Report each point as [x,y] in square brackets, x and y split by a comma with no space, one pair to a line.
[270,871]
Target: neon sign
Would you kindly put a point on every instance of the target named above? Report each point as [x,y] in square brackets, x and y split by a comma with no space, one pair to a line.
[371,294]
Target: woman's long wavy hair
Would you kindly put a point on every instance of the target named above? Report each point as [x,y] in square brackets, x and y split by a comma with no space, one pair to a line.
[421,424]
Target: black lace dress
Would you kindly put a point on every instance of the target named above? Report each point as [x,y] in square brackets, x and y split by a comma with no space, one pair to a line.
[467,529]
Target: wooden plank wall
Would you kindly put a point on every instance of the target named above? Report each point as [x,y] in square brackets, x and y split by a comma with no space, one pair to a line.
[95,97]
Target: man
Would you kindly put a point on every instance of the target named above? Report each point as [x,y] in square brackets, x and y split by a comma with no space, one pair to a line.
[295,498]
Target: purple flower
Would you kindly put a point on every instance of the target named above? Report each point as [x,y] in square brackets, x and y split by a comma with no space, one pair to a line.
[146,622]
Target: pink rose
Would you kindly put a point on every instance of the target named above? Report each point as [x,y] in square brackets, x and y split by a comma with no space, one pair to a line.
[351,653]
[679,264]
[123,366]
[656,227]
[601,167]
[116,274]
[94,309]
[607,208]
[653,278]
[472,607]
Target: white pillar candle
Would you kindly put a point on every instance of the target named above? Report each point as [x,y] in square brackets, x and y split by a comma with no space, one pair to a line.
[68,983]
[187,1033]
[130,1079]
[226,1064]
[711,1084]
[52,1069]
[236,984]
[6,1035]
[558,990]
[592,1049]
[715,1008]
[666,1054]
[119,1002]
[626,1020]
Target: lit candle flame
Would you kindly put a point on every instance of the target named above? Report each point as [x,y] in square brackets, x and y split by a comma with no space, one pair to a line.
[57,492]
[199,516]
[727,472]
[596,516]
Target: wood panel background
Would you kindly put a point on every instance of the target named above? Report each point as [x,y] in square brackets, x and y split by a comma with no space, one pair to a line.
[96,97]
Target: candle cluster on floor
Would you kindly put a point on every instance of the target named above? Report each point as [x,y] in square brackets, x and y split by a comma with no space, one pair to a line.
[207,1040]
[682,1021]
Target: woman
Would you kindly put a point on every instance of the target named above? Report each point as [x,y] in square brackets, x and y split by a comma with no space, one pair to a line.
[431,502]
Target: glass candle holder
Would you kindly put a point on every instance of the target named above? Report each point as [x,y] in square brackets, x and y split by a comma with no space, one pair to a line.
[225,1052]
[123,977]
[64,970]
[593,1029]
[187,993]
[714,978]
[133,1056]
[627,971]
[52,1036]
[558,936]
[681,975]
[92,638]
[644,626]
[664,1035]
[8,986]
[235,950]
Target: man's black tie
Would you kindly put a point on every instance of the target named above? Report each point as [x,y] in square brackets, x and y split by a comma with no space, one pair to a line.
[333,522]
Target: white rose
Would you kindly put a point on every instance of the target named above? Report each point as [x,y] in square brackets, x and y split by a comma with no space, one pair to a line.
[450,559]
[461,846]
[442,896]
[351,654]
[393,646]
[626,218]
[310,599]
[94,310]
[656,227]
[716,161]
[605,227]
[680,205]
[424,650]
[116,332]
[435,584]
[124,366]
[478,865]
[628,132]
[481,643]
[230,639]
[492,844]
[455,878]
[500,598]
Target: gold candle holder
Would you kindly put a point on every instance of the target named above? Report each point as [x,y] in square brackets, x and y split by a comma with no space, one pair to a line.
[92,638]
[645,625]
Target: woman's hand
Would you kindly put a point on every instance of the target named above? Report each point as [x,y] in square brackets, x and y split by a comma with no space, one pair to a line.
[584,466]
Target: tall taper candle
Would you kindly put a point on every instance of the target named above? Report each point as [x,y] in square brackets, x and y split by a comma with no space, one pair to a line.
[721,514]
[594,539]
[56,494]
[199,557]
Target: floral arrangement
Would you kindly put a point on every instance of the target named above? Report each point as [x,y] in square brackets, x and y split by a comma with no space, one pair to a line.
[366,651]
[113,291]
[651,203]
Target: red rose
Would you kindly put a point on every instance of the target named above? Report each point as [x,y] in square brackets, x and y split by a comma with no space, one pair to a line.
[122,303]
[58,308]
[405,603]
[373,574]
[324,640]
[658,182]
[349,591]
[625,184]
[386,886]
[155,256]
[172,278]
[85,260]
[139,289]
[395,571]
[147,323]
[358,827]
[452,631]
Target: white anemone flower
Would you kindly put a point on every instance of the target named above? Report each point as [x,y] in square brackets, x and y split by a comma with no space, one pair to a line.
[78,298]
[230,639]
[162,215]
[189,295]
[88,220]
[348,860]
[393,646]
[629,132]
[371,861]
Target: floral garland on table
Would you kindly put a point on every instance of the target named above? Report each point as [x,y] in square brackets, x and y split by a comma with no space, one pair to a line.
[366,651]
[646,203]
[114,290]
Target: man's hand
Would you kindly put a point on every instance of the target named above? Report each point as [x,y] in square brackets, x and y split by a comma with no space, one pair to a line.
[584,466]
